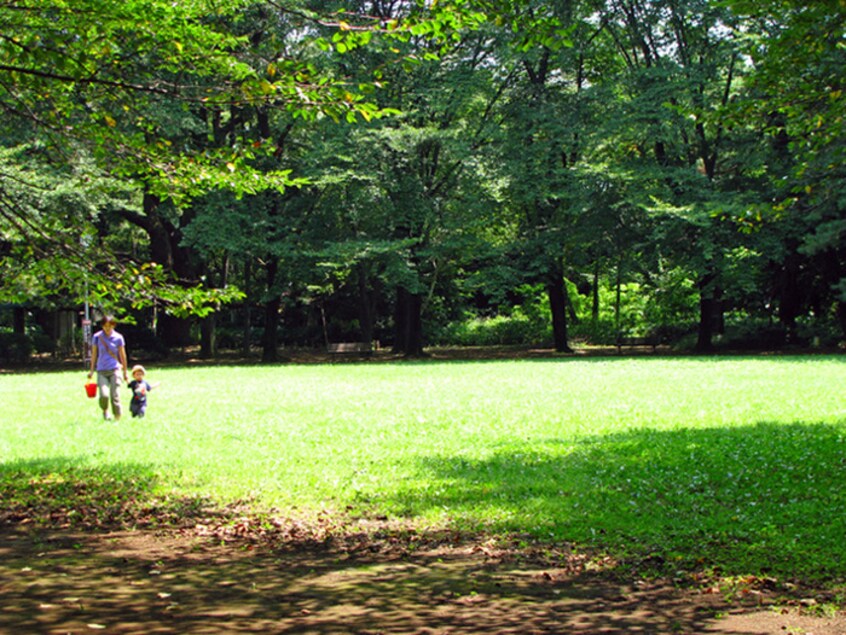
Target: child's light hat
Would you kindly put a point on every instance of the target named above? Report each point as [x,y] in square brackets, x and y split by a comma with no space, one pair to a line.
[136,368]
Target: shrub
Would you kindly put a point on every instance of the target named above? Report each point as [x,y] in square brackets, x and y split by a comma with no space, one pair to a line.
[42,343]
[15,348]
[743,332]
[516,329]
[232,338]
[143,342]
[599,333]
[752,335]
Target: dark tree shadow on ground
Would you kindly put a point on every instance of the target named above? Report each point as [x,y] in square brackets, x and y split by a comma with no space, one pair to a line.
[140,582]
[68,492]
[762,499]
[58,576]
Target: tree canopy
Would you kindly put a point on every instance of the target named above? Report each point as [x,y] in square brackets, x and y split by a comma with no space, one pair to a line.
[396,165]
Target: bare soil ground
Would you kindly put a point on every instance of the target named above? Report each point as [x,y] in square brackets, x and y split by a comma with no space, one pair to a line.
[60,581]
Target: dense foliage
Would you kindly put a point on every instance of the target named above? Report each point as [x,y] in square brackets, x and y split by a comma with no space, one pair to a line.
[295,172]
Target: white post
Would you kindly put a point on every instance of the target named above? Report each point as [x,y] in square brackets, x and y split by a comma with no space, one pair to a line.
[86,331]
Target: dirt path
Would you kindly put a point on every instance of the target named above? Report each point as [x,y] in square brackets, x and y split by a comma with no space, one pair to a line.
[60,582]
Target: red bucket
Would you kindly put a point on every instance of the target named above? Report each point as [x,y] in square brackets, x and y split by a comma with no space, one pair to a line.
[91,389]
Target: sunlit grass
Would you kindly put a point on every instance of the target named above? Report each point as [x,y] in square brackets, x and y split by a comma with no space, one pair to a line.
[738,463]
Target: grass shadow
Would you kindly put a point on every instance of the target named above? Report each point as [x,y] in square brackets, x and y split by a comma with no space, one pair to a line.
[767,498]
[689,489]
[67,492]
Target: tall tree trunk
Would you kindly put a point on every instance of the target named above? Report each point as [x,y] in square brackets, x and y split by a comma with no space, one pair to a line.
[790,295]
[408,323]
[400,316]
[270,337]
[708,312]
[19,320]
[208,326]
[208,338]
[557,292]
[365,306]
[165,250]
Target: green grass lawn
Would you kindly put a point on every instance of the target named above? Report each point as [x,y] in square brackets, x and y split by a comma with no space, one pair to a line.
[732,463]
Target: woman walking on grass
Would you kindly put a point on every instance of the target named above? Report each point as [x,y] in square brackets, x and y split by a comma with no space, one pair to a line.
[108,358]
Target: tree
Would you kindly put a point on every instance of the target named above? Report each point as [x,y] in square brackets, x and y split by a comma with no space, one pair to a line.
[108,87]
[682,68]
[548,109]
[394,182]
[796,101]
[165,150]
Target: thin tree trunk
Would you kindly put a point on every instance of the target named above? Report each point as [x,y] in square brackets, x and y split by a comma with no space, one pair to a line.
[618,297]
[246,335]
[594,309]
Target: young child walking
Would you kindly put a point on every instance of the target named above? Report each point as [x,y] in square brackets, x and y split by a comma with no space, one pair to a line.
[140,387]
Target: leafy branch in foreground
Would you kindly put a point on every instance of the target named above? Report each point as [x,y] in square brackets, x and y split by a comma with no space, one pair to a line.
[106,283]
[95,72]
[50,251]
[129,89]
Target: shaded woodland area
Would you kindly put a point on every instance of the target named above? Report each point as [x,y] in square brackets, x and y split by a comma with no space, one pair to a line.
[278,174]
